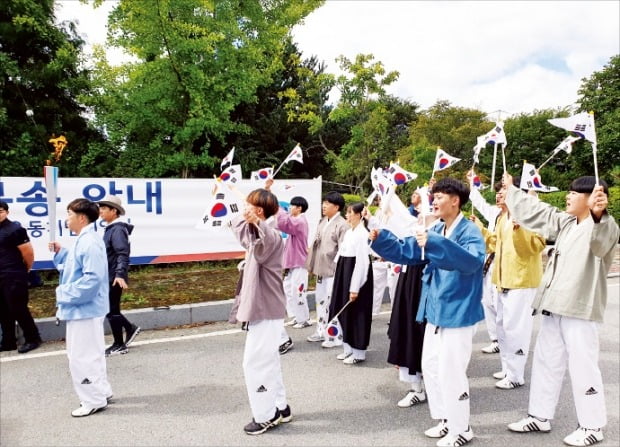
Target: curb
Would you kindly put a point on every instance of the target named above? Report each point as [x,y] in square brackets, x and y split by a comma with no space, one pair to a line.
[160,317]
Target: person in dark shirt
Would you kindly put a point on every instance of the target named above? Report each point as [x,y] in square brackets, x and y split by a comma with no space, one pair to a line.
[16,259]
[116,239]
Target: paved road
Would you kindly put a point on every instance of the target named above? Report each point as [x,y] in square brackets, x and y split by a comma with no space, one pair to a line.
[185,387]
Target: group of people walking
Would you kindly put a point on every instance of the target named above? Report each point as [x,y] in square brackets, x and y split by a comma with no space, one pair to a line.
[454,273]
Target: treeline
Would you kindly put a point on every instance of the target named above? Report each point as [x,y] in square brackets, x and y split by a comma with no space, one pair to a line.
[202,79]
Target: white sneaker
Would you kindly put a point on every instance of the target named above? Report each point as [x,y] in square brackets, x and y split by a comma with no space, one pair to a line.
[506,384]
[86,411]
[344,355]
[412,398]
[291,322]
[315,337]
[499,375]
[350,360]
[438,431]
[303,325]
[331,343]
[456,440]
[493,348]
[530,423]
[584,436]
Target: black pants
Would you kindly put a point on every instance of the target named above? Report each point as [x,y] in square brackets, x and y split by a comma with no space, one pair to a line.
[115,318]
[14,307]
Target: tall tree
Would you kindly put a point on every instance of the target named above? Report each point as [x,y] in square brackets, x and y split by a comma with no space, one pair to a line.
[41,80]
[600,93]
[195,61]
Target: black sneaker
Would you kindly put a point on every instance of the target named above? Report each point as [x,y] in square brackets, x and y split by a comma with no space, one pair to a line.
[284,347]
[131,336]
[255,428]
[116,349]
[286,415]
[27,347]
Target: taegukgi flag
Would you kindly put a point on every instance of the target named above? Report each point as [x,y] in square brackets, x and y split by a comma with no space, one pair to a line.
[530,180]
[399,176]
[231,174]
[295,155]
[222,207]
[227,161]
[582,124]
[262,174]
[443,160]
[566,145]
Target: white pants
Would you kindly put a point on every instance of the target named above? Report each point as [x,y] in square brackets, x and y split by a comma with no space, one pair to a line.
[404,376]
[295,287]
[262,369]
[572,342]
[445,356]
[514,330]
[384,274]
[357,353]
[489,304]
[86,353]
[323,296]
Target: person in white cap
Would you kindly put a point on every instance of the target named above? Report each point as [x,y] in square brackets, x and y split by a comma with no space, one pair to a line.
[116,239]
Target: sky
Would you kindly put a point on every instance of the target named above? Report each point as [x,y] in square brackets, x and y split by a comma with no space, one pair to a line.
[508,56]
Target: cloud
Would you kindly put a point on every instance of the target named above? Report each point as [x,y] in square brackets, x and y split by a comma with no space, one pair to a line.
[515,56]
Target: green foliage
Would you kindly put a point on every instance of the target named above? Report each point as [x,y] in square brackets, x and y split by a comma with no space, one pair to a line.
[600,93]
[195,62]
[40,84]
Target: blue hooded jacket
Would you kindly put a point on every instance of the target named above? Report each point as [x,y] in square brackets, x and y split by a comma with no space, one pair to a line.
[452,279]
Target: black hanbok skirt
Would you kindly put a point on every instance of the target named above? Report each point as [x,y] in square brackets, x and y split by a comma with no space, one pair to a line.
[405,333]
[356,319]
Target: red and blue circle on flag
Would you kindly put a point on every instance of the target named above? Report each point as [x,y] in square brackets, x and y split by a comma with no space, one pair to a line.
[399,178]
[443,162]
[225,176]
[397,269]
[536,182]
[476,181]
[218,210]
[263,174]
[333,330]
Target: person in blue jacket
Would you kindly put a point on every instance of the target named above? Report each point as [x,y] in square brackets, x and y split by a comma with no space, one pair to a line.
[82,300]
[453,250]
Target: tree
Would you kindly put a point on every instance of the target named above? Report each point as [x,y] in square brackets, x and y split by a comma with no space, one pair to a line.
[452,128]
[600,93]
[195,62]
[41,83]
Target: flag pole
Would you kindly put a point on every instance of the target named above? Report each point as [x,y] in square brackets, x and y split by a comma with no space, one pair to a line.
[546,161]
[279,167]
[504,157]
[595,164]
[494,161]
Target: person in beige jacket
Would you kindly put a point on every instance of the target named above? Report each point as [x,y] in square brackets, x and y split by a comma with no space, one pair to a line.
[320,262]
[572,299]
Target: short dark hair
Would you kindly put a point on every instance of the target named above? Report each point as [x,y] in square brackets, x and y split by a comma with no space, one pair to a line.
[4,206]
[335,198]
[453,187]
[265,200]
[300,201]
[85,207]
[586,184]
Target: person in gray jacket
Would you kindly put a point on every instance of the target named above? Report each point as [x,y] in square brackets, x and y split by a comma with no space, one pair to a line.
[116,239]
[320,262]
[572,299]
[261,309]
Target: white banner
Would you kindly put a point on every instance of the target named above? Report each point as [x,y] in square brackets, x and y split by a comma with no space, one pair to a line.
[163,211]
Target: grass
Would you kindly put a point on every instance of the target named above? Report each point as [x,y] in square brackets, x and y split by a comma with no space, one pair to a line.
[155,285]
